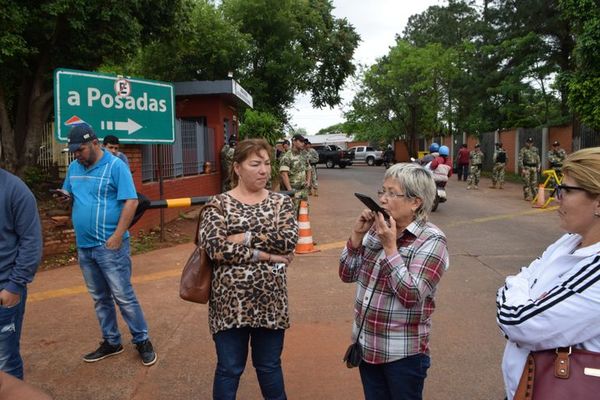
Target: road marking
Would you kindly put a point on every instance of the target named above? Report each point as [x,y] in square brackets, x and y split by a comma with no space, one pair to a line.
[75,290]
[502,216]
[171,273]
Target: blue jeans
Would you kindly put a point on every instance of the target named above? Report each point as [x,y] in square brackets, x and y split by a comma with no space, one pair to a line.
[11,322]
[398,380]
[107,275]
[232,352]
[462,170]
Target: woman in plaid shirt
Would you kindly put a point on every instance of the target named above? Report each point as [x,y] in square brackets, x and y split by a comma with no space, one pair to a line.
[399,265]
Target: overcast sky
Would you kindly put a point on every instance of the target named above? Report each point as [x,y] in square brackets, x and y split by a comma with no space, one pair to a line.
[377,22]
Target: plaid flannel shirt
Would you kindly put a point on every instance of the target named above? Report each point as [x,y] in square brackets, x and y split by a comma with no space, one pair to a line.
[398,320]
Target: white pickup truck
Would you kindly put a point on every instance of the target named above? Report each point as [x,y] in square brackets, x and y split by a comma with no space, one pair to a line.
[367,154]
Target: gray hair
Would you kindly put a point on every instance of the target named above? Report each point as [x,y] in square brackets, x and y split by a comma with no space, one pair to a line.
[417,182]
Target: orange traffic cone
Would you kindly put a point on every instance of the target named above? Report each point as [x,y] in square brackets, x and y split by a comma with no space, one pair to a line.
[305,241]
[540,198]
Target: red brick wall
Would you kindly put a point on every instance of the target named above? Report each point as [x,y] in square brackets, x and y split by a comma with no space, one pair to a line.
[200,185]
[58,234]
[401,151]
[357,143]
[564,135]
[508,139]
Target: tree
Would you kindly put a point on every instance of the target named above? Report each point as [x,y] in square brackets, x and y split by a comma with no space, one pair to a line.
[536,43]
[403,95]
[203,46]
[584,81]
[296,46]
[39,36]
[336,128]
[257,124]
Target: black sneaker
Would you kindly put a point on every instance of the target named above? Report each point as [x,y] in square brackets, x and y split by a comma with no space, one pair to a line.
[105,350]
[146,352]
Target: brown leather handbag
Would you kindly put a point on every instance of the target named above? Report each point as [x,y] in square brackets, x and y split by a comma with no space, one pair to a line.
[197,273]
[562,373]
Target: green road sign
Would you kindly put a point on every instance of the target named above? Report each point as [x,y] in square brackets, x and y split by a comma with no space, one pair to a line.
[134,110]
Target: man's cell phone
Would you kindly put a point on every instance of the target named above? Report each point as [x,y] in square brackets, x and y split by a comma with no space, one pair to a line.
[59,193]
[372,204]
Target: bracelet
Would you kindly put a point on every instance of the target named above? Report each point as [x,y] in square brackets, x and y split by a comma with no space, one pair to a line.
[247,238]
[255,255]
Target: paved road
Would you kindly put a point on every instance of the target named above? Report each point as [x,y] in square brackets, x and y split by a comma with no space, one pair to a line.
[491,234]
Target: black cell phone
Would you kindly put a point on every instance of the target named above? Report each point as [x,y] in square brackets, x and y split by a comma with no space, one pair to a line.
[59,192]
[372,204]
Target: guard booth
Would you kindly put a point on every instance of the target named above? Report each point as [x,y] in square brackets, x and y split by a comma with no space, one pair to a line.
[207,115]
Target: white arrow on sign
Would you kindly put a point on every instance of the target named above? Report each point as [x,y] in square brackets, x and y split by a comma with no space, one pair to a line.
[130,126]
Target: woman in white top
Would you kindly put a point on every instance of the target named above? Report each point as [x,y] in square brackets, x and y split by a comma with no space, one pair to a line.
[555,301]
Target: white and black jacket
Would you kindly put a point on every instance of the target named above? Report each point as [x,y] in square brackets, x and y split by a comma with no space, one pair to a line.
[554,302]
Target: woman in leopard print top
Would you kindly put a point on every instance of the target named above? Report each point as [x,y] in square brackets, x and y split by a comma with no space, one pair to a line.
[251,242]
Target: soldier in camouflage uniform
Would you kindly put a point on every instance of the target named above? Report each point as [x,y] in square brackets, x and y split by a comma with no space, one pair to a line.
[226,163]
[556,157]
[476,159]
[529,164]
[295,172]
[313,158]
[499,159]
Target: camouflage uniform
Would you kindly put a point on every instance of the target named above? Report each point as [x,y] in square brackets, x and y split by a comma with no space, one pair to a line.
[313,158]
[499,166]
[529,163]
[476,158]
[556,159]
[296,165]
[226,163]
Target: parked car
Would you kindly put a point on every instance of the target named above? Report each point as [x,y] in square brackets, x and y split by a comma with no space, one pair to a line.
[367,154]
[332,155]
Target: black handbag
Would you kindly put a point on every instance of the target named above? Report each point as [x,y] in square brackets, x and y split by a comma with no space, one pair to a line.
[353,356]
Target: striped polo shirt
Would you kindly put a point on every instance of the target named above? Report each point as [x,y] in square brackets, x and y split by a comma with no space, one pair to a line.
[99,194]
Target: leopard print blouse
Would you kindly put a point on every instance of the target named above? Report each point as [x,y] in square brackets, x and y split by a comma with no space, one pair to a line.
[246,293]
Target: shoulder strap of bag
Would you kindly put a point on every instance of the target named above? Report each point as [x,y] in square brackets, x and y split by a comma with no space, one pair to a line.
[368,305]
[204,207]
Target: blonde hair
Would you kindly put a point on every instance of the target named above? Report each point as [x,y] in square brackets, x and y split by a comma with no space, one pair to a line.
[584,167]
[245,149]
[417,182]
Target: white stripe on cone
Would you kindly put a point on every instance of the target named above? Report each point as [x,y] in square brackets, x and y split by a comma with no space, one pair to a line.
[304,225]
[305,240]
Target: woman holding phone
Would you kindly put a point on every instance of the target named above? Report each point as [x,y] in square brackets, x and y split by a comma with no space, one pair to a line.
[397,266]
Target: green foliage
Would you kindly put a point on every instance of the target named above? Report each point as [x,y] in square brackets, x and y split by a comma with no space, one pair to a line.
[256,124]
[583,82]
[403,94]
[143,242]
[297,46]
[39,36]
[462,68]
[34,177]
[202,46]
[336,128]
